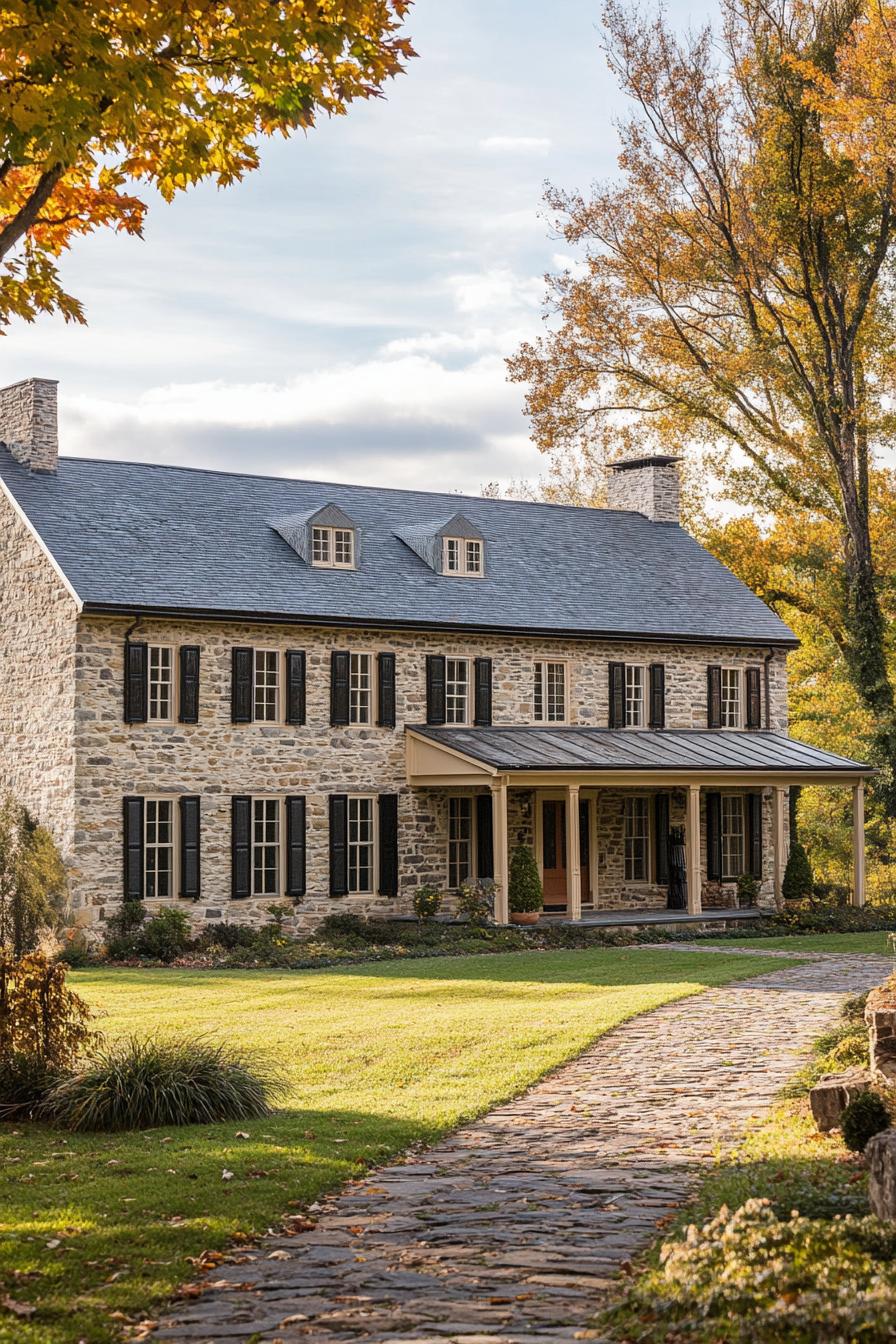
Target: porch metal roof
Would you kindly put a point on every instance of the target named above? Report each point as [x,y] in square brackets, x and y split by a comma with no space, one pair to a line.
[564,748]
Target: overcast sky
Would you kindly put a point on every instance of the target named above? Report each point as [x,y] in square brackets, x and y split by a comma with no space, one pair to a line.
[345,312]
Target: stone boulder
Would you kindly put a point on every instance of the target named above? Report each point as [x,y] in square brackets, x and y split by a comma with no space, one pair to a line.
[880,1015]
[880,1154]
[832,1094]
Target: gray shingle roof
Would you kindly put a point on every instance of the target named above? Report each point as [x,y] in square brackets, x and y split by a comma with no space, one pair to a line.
[135,536]
[612,749]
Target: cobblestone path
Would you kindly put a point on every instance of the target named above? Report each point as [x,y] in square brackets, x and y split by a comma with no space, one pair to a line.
[508,1230]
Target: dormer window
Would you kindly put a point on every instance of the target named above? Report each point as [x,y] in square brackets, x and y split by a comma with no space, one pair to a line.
[463,556]
[333,547]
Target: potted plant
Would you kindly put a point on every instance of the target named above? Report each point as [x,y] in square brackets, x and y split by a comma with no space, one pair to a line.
[524,893]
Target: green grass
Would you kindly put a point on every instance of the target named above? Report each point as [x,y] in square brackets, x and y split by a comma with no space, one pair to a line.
[377,1057]
[818,942]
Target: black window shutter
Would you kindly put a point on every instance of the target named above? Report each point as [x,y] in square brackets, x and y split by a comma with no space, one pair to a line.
[483,702]
[136,682]
[388,838]
[617,695]
[661,838]
[295,686]
[485,848]
[188,706]
[241,685]
[435,688]
[241,846]
[295,846]
[339,675]
[657,696]
[385,682]
[133,849]
[338,844]
[754,697]
[754,833]
[189,848]
[713,697]
[714,836]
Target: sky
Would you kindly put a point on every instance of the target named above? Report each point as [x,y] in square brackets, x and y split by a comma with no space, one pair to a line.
[345,312]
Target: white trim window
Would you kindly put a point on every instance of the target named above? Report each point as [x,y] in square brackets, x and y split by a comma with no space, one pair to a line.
[266,685]
[549,703]
[734,837]
[333,547]
[266,846]
[731,697]
[462,556]
[360,688]
[636,832]
[634,695]
[457,690]
[158,847]
[460,841]
[361,844]
[160,680]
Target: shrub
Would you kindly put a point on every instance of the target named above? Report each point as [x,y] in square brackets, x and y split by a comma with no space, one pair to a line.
[798,882]
[427,901]
[123,928]
[166,935]
[32,879]
[226,935]
[747,889]
[476,902]
[524,891]
[43,1028]
[24,1082]
[862,1119]
[143,1084]
[343,925]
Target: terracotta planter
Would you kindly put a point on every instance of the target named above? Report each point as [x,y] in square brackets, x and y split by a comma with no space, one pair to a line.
[525,917]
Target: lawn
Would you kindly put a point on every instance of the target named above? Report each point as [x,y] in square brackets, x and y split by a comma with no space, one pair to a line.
[818,942]
[96,1230]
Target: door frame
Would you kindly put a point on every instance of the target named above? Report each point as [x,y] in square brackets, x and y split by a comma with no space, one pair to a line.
[590,799]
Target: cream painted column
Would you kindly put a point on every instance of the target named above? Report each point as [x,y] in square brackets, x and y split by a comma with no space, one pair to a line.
[499,844]
[778,845]
[858,843]
[573,854]
[692,851]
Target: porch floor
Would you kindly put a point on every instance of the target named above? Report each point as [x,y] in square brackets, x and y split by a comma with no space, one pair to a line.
[617,918]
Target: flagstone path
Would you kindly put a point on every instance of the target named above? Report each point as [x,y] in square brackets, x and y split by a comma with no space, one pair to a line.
[509,1229]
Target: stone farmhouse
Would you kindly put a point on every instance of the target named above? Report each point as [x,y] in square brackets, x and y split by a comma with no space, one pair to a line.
[222,690]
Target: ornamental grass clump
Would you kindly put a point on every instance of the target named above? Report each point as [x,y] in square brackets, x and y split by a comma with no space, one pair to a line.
[143,1083]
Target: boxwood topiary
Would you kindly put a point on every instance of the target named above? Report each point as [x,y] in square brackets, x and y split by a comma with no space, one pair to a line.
[862,1119]
[798,881]
[525,893]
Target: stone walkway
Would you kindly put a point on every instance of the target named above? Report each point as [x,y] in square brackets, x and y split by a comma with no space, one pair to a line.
[508,1230]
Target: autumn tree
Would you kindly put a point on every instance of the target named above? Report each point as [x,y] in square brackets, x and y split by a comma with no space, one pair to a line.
[97,96]
[735,298]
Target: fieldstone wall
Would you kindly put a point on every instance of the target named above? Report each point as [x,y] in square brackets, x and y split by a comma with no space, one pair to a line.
[37,680]
[216,758]
[28,422]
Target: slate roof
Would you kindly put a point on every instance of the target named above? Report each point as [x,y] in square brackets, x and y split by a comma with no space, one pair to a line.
[139,537]
[614,749]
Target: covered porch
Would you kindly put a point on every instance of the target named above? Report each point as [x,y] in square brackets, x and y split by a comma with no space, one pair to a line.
[648,823]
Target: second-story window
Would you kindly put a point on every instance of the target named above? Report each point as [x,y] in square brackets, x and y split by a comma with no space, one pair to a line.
[360,688]
[457,690]
[266,686]
[550,693]
[634,696]
[731,680]
[463,556]
[160,682]
[333,547]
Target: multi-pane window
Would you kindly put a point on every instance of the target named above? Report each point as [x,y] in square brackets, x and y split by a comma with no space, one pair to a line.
[266,688]
[360,688]
[637,839]
[550,693]
[462,556]
[457,690]
[158,847]
[473,551]
[634,696]
[161,684]
[730,681]
[460,841]
[265,846]
[360,844]
[733,836]
[452,555]
[333,547]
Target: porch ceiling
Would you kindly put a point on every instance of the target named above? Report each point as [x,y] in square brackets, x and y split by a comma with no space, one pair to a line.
[471,755]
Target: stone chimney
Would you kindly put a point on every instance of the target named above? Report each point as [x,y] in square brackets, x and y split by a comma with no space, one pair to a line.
[647,485]
[28,422]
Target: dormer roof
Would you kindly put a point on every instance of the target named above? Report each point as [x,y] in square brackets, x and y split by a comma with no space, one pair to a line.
[295,529]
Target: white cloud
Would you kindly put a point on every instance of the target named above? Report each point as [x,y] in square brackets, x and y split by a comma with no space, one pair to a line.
[515,144]
[496,289]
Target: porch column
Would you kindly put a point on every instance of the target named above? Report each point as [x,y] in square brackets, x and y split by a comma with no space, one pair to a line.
[858,843]
[779,847]
[692,850]
[573,854]
[499,842]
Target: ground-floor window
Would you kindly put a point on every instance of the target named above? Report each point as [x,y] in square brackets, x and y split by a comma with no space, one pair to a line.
[733,836]
[265,846]
[361,845]
[158,847]
[637,839]
[460,841]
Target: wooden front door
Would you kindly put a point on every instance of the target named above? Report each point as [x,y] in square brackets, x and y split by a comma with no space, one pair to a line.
[553,853]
